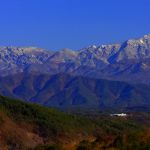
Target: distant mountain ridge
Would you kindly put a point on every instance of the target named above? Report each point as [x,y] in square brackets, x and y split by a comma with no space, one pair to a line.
[115,62]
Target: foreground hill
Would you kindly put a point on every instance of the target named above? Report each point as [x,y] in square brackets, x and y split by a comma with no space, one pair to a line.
[27,126]
[75,92]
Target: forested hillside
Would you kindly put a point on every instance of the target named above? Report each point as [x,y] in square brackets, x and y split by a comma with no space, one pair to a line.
[25,126]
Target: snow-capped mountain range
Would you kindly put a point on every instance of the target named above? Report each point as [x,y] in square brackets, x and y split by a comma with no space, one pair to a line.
[113,76]
[128,61]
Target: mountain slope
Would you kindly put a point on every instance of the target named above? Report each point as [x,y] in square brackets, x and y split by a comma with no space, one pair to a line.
[69,92]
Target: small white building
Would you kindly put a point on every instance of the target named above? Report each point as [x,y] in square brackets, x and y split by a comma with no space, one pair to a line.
[119,115]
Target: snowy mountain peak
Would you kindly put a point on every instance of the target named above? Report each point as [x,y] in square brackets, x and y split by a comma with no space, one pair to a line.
[98,59]
[147,36]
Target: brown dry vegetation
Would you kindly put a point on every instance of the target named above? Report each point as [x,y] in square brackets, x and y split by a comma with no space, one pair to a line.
[17,135]
[31,127]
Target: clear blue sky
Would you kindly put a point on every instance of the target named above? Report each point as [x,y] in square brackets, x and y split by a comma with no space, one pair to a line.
[56,24]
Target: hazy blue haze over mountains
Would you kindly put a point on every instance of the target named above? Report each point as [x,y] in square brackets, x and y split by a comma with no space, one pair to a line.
[70,78]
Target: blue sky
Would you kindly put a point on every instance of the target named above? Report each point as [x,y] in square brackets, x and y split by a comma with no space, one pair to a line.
[56,24]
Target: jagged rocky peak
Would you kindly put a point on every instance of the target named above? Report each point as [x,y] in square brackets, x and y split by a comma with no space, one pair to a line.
[63,55]
[102,50]
[90,48]
[132,46]
[139,41]
[136,49]
[93,47]
[109,49]
[147,36]
[24,49]
[16,56]
[68,51]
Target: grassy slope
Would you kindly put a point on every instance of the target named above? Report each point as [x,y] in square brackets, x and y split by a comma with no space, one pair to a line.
[24,125]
